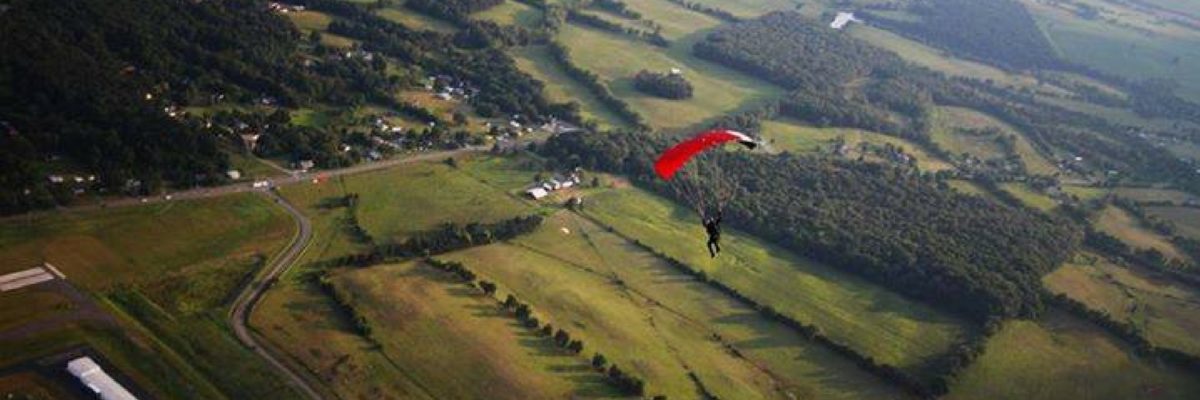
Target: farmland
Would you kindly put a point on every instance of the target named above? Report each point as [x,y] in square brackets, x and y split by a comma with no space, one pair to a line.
[901,332]
[949,123]
[718,90]
[1186,219]
[160,291]
[1167,311]
[1060,357]
[560,87]
[654,320]
[1118,222]
[785,135]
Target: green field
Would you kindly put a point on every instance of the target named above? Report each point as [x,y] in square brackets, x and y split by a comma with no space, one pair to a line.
[1123,50]
[795,137]
[658,322]
[1186,219]
[749,8]
[1166,311]
[866,317]
[560,87]
[968,187]
[308,21]
[1118,222]
[416,20]
[1029,197]
[166,273]
[1085,192]
[512,13]
[718,90]
[447,341]
[1150,194]
[947,121]
[1060,357]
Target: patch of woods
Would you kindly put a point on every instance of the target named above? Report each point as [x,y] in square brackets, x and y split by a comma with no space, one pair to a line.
[957,252]
[998,32]
[668,86]
[837,80]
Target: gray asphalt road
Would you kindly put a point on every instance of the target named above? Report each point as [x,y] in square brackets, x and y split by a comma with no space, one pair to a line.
[243,306]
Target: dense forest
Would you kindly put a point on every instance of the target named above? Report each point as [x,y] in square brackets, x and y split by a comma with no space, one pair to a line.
[85,83]
[999,32]
[958,252]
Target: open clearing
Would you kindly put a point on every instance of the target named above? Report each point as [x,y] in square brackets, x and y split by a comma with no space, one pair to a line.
[415,20]
[785,135]
[649,318]
[948,121]
[451,341]
[1029,197]
[166,287]
[718,90]
[1060,357]
[849,310]
[1118,222]
[512,13]
[1167,311]
[560,87]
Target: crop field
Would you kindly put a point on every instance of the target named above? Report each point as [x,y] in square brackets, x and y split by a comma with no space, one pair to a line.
[1168,312]
[449,341]
[560,87]
[512,13]
[849,310]
[718,90]
[947,121]
[1060,357]
[791,136]
[658,322]
[1186,219]
[1029,197]
[1118,222]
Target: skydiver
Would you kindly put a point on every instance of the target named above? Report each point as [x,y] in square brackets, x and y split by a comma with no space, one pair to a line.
[712,225]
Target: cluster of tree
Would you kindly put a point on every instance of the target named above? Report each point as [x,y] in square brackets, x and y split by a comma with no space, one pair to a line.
[958,252]
[654,37]
[618,8]
[460,271]
[591,81]
[999,32]
[669,86]
[451,10]
[708,10]
[1127,332]
[448,237]
[345,306]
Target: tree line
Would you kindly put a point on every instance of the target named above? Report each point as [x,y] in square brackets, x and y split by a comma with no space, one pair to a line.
[591,81]
[957,252]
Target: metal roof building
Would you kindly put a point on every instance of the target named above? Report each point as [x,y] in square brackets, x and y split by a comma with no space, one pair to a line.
[94,377]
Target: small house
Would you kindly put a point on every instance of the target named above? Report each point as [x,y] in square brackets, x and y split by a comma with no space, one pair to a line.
[537,192]
[233,174]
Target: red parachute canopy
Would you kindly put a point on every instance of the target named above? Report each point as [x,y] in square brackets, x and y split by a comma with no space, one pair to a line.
[676,157]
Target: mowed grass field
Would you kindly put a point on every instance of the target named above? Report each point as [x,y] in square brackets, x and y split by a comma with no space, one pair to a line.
[945,133]
[1118,222]
[866,317]
[165,273]
[785,135]
[658,322]
[304,323]
[1168,312]
[1060,357]
[453,342]
[101,248]
[616,59]
[535,61]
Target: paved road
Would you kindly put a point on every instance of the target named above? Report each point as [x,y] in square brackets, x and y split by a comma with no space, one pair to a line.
[243,306]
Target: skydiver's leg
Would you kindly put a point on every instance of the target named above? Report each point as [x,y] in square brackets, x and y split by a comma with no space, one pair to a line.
[713,247]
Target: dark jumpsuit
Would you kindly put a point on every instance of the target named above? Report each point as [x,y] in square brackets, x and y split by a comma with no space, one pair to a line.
[713,227]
